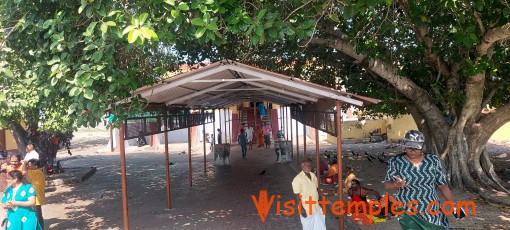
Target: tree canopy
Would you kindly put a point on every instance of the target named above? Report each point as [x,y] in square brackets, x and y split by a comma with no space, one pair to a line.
[66,62]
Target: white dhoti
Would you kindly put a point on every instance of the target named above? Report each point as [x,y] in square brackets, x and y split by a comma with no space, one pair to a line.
[315,222]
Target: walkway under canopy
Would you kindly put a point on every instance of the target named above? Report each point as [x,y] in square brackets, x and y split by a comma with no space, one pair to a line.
[226,83]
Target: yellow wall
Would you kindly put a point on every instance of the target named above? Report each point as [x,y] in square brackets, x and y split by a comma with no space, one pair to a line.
[502,134]
[355,129]
[398,127]
[9,141]
[394,128]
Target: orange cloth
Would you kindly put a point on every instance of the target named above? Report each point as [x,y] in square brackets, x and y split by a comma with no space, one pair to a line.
[333,170]
[12,168]
[260,137]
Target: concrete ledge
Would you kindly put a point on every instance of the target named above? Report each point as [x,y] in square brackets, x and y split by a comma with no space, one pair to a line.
[356,141]
[70,176]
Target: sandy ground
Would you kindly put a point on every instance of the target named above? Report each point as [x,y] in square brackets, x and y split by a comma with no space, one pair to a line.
[89,148]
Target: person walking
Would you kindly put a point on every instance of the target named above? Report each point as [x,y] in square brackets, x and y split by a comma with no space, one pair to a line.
[242,140]
[267,135]
[249,135]
[306,188]
[416,175]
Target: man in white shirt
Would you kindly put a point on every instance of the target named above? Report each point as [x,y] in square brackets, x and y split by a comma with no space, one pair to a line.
[31,154]
[249,135]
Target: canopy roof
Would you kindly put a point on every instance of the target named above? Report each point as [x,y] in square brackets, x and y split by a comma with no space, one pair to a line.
[226,83]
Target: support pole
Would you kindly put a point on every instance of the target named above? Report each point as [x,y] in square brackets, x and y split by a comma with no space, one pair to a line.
[225,131]
[122,150]
[317,151]
[339,157]
[111,138]
[297,141]
[213,141]
[304,141]
[203,140]
[291,140]
[167,165]
[287,124]
[189,161]
[254,115]
[230,125]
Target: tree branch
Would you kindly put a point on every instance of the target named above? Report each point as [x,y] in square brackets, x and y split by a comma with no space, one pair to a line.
[291,13]
[493,121]
[489,97]
[479,21]
[492,36]
[389,73]
[422,36]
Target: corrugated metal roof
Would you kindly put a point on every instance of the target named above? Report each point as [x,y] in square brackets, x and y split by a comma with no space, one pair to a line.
[225,83]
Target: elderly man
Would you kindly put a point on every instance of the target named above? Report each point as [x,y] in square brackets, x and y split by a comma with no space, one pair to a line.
[305,187]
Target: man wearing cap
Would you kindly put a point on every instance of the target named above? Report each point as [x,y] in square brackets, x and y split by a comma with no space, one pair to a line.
[416,175]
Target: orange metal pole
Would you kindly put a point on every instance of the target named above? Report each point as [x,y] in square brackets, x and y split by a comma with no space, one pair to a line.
[205,160]
[123,177]
[339,157]
[317,151]
[189,161]
[230,125]
[167,160]
[286,126]
[297,141]
[304,141]
[225,131]
[111,138]
[213,141]
[291,140]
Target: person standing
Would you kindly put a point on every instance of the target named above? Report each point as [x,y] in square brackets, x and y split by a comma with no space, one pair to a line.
[219,136]
[267,135]
[262,110]
[249,135]
[305,187]
[38,180]
[416,175]
[19,199]
[242,140]
[31,154]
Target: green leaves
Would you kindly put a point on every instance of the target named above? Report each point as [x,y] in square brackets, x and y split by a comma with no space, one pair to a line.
[140,29]
[183,6]
[90,29]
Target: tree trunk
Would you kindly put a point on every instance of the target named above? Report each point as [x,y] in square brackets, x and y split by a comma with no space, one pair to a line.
[473,174]
[21,137]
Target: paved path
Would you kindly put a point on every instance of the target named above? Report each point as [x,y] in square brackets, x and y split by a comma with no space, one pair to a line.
[220,198]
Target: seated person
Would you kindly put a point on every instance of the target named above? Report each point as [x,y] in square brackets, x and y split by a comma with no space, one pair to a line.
[359,194]
[349,177]
[332,176]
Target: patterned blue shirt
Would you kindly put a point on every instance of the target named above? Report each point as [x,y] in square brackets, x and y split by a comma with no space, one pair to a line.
[422,182]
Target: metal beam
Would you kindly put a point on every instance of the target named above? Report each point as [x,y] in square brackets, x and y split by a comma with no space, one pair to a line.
[228,79]
[198,93]
[149,92]
[295,85]
[278,90]
[207,99]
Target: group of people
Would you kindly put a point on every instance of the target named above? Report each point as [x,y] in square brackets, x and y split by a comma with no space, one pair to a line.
[22,186]
[414,174]
[245,137]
